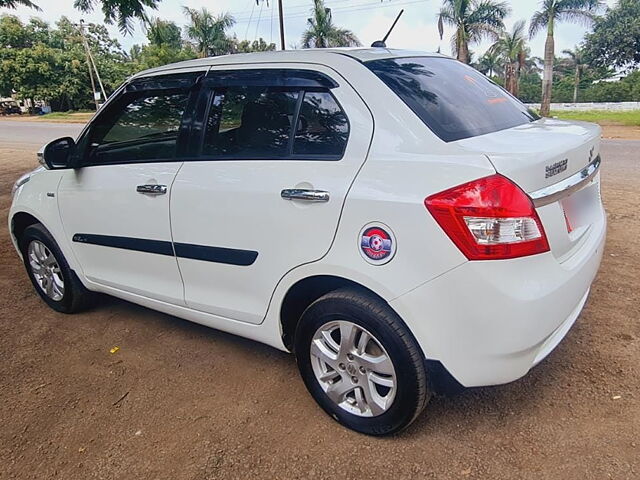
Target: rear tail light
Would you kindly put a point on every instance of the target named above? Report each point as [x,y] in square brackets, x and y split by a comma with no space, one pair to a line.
[489,219]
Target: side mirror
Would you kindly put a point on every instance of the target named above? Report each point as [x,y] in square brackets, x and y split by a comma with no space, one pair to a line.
[58,153]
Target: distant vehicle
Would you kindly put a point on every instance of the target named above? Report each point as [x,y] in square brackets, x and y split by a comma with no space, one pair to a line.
[380,213]
[36,110]
[10,108]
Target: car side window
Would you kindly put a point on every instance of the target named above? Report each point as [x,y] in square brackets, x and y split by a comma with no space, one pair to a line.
[250,122]
[256,122]
[139,126]
[322,128]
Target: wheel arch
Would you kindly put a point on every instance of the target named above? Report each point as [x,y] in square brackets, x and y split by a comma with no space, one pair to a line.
[19,223]
[306,291]
[24,217]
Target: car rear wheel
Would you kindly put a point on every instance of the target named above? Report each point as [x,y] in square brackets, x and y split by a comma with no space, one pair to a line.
[50,273]
[360,362]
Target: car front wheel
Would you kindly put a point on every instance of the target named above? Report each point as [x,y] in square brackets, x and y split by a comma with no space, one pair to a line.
[360,362]
[50,273]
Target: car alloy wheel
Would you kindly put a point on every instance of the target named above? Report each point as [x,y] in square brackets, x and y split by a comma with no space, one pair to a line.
[46,270]
[353,368]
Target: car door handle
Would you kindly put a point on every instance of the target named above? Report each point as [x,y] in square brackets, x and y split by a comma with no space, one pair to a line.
[152,189]
[306,195]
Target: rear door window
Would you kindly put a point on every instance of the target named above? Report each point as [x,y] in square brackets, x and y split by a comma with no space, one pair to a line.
[454,100]
[257,122]
[250,122]
[322,128]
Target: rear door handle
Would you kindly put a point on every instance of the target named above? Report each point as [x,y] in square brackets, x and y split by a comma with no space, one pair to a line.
[306,195]
[152,189]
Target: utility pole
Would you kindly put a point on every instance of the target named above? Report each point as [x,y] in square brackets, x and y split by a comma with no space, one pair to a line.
[280,18]
[93,83]
[92,68]
[281,25]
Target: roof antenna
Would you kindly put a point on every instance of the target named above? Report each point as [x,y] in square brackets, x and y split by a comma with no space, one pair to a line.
[381,43]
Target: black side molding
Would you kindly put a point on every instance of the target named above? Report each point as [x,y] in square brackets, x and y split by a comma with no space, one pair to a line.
[229,256]
[127,243]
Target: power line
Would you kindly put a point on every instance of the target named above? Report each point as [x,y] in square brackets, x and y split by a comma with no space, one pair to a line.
[246,33]
[302,6]
[271,24]
[349,9]
[255,37]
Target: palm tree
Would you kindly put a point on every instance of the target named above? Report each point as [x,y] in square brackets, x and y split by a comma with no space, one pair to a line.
[531,64]
[15,3]
[209,31]
[577,61]
[321,32]
[511,45]
[553,11]
[473,21]
[163,32]
[122,11]
[490,63]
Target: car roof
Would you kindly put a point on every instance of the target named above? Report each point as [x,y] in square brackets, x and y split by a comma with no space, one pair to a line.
[319,55]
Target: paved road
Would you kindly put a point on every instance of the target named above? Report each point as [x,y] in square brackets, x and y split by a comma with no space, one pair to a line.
[34,133]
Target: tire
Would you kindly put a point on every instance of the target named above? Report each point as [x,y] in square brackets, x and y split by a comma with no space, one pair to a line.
[362,392]
[73,297]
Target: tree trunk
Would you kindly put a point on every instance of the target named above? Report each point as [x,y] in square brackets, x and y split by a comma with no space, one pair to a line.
[463,47]
[547,77]
[576,84]
[510,78]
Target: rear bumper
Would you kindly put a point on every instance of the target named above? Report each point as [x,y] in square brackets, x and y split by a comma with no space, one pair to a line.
[489,322]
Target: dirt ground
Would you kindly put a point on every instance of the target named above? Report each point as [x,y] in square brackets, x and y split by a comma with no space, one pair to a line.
[180,401]
[621,132]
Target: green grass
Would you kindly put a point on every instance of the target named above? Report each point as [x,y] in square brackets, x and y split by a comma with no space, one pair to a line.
[80,116]
[65,115]
[630,118]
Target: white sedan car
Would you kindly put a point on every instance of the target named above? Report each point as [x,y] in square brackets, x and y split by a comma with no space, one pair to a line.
[385,215]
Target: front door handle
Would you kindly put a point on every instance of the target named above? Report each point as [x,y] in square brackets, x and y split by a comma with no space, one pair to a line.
[306,195]
[152,189]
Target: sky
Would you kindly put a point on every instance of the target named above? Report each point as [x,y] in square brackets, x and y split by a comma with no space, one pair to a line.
[368,19]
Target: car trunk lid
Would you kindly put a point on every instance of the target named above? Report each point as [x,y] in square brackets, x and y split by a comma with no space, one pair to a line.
[555,162]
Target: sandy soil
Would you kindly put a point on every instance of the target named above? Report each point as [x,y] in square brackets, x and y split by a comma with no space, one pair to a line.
[622,132]
[180,401]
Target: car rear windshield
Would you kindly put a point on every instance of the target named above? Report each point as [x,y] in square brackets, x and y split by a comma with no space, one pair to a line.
[452,99]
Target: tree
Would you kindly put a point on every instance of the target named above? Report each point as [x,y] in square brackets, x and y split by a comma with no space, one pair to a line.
[120,11]
[165,46]
[164,33]
[15,3]
[209,31]
[45,63]
[321,32]
[511,46]
[615,41]
[245,46]
[577,61]
[473,21]
[490,63]
[553,11]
